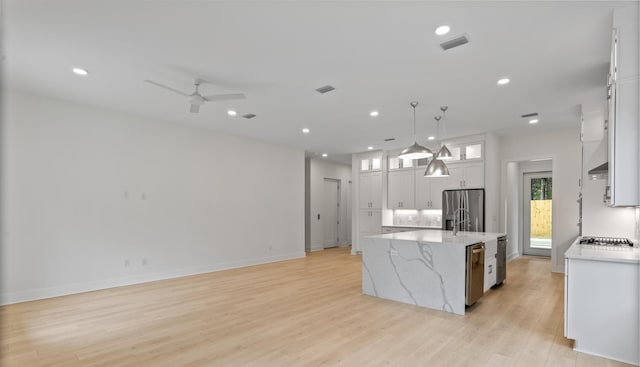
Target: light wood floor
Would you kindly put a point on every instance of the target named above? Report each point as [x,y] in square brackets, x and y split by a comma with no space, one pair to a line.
[305,312]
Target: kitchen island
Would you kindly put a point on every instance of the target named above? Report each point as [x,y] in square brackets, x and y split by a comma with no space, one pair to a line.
[426,268]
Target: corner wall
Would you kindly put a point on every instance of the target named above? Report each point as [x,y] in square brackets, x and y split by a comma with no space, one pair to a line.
[563,147]
[95,199]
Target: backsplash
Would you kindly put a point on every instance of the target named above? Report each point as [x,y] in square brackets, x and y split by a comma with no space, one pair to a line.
[421,218]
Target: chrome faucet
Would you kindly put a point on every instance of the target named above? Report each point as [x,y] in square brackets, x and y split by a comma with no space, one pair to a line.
[457,223]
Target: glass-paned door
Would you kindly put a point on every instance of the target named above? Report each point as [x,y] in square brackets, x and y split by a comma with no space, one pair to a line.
[537,209]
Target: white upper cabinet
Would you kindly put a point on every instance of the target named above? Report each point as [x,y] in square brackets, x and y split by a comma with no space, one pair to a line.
[624,115]
[401,189]
[370,164]
[465,152]
[370,190]
[397,163]
[429,191]
[467,175]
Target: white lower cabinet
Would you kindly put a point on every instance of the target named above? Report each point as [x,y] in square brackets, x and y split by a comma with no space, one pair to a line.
[490,261]
[602,311]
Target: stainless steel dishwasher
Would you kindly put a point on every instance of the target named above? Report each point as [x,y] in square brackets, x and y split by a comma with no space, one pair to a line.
[475,273]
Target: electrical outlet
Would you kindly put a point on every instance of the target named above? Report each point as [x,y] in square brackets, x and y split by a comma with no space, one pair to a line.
[127,263]
[393,252]
[144,261]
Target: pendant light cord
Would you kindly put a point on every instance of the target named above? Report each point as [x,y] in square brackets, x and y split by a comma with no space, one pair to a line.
[414,104]
[414,124]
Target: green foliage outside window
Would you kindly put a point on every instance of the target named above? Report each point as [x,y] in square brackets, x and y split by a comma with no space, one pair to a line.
[541,188]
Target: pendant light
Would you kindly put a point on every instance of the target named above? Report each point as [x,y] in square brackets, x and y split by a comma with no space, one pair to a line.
[415,151]
[437,167]
[444,153]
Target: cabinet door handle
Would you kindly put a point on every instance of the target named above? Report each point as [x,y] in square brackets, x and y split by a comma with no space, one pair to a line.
[490,269]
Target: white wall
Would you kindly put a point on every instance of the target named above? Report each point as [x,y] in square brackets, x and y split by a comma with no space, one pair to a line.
[85,190]
[563,147]
[318,170]
[510,209]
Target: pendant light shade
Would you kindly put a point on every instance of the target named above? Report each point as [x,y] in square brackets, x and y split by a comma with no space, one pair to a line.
[415,151]
[436,168]
[444,153]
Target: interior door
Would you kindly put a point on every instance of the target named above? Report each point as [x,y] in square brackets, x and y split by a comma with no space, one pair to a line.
[537,214]
[331,213]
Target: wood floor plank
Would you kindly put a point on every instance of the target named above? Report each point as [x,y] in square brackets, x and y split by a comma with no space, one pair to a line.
[303,312]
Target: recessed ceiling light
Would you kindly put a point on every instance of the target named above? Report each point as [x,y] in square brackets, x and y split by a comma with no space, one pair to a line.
[503,81]
[442,30]
[231,113]
[370,148]
[533,121]
[374,113]
[431,137]
[306,131]
[80,71]
[324,155]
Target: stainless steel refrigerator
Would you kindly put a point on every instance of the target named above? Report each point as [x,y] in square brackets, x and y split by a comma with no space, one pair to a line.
[467,206]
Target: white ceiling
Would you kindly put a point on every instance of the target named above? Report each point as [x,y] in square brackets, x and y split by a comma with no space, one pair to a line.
[378,55]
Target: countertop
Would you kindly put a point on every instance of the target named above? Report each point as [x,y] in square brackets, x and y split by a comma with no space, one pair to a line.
[440,236]
[409,226]
[603,253]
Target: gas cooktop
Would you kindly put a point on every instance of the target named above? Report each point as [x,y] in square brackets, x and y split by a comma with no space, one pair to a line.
[605,241]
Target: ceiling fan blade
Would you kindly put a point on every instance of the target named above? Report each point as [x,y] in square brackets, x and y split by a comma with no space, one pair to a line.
[166,87]
[195,108]
[224,97]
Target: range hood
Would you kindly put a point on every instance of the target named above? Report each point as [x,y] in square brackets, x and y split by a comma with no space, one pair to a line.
[599,172]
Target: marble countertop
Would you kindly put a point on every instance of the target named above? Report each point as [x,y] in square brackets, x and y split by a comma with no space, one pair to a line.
[603,253]
[409,226]
[440,236]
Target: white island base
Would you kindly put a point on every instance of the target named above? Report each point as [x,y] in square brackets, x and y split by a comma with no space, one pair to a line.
[424,268]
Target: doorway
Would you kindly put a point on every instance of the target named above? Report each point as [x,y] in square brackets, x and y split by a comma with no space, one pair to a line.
[537,213]
[331,213]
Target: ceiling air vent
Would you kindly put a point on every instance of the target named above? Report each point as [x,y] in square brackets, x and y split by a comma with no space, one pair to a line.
[533,114]
[249,116]
[389,139]
[458,41]
[325,89]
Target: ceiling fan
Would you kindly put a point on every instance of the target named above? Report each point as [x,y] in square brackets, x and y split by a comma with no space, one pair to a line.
[196,99]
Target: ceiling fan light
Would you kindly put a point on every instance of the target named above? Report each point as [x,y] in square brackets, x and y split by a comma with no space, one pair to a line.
[444,153]
[415,151]
[436,168]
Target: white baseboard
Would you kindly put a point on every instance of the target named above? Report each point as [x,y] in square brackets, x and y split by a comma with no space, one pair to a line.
[64,290]
[512,256]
